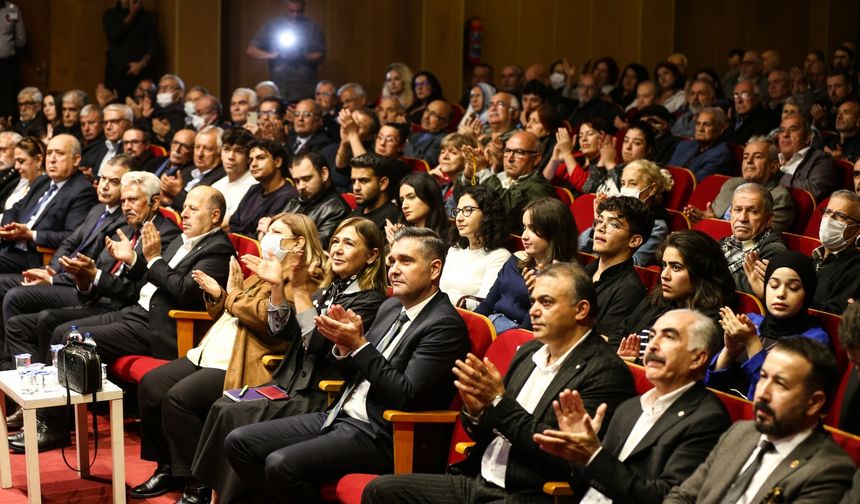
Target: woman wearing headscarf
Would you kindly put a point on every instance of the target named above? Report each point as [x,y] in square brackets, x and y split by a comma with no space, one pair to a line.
[790,282]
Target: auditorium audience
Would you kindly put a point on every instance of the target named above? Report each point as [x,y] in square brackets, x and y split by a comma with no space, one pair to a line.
[671,86]
[789,282]
[31,119]
[242,102]
[546,238]
[655,440]
[207,168]
[426,89]
[452,164]
[849,337]
[371,184]
[591,104]
[701,95]
[624,94]
[136,144]
[421,206]
[116,119]
[425,143]
[803,165]
[760,166]
[29,165]
[664,142]
[398,84]
[307,134]
[53,118]
[502,414]
[235,159]
[479,105]
[502,114]
[175,398]
[846,143]
[750,117]
[544,123]
[317,197]
[753,460]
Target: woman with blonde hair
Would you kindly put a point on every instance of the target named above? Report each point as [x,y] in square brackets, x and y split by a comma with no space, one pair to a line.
[398,83]
[354,279]
[175,398]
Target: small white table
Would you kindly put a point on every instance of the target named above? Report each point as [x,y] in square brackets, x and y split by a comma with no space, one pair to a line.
[10,384]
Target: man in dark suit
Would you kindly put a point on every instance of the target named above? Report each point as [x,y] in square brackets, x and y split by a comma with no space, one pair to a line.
[181,154]
[56,204]
[804,166]
[656,440]
[206,170]
[403,363]
[853,495]
[426,144]
[52,285]
[750,117]
[308,134]
[784,455]
[503,415]
[34,312]
[849,336]
[116,118]
[157,281]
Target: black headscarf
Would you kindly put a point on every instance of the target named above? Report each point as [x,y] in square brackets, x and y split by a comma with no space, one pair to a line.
[775,328]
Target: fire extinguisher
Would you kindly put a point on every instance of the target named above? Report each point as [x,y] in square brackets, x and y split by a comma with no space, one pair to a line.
[474,34]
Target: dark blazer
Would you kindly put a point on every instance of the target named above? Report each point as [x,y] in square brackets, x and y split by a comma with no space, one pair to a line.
[327,210]
[417,376]
[208,179]
[424,145]
[817,471]
[671,450]
[817,173]
[86,243]
[853,495]
[592,368]
[63,214]
[8,181]
[315,143]
[758,121]
[94,153]
[176,289]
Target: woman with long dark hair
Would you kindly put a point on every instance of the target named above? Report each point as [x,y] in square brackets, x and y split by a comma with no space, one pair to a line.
[549,235]
[421,206]
[427,89]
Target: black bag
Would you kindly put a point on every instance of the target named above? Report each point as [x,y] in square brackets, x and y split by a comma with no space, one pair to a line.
[79,368]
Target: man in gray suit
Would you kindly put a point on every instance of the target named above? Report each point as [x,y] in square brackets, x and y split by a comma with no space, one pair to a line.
[655,440]
[502,415]
[783,455]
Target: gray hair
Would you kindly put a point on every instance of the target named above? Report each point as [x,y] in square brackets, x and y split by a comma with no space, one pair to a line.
[124,110]
[123,160]
[91,108]
[179,82]
[720,119]
[32,92]
[703,333]
[269,84]
[354,86]
[218,132]
[76,96]
[805,123]
[752,187]
[252,95]
[755,90]
[14,135]
[323,83]
[772,151]
[800,102]
[148,182]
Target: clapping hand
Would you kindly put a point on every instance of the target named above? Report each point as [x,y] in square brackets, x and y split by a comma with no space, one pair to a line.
[38,276]
[207,283]
[754,269]
[629,348]
[478,383]
[150,241]
[576,438]
[342,327]
[267,269]
[121,249]
[235,278]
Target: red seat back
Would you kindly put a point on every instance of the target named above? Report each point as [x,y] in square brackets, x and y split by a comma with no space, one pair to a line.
[583,211]
[245,245]
[738,154]
[647,276]
[738,408]
[677,220]
[173,215]
[585,258]
[350,199]
[707,190]
[830,323]
[416,165]
[158,151]
[481,331]
[804,206]
[685,184]
[515,243]
[848,442]
[747,303]
[639,379]
[815,219]
[565,196]
[846,173]
[800,243]
[715,228]
[836,405]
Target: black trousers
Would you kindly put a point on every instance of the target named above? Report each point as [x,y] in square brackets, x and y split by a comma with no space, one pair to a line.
[284,460]
[441,489]
[32,333]
[117,333]
[19,300]
[174,401]
[13,260]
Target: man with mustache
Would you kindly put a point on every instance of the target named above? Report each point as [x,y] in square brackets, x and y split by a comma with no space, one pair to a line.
[784,453]
[701,94]
[655,440]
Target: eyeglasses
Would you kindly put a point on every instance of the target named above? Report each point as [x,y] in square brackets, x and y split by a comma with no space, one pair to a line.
[267,113]
[422,84]
[387,139]
[430,113]
[325,93]
[306,115]
[742,95]
[499,104]
[466,211]
[26,104]
[838,216]
[518,153]
[612,225]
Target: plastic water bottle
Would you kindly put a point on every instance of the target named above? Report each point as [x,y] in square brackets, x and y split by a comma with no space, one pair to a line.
[88,339]
[74,335]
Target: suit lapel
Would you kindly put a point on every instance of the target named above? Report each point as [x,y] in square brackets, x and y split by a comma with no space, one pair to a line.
[683,406]
[795,460]
[61,193]
[575,363]
[615,438]
[419,320]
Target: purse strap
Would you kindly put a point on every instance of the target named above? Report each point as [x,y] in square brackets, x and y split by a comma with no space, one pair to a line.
[68,427]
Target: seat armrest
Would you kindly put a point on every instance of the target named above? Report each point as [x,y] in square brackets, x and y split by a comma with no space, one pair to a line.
[333,387]
[403,428]
[270,361]
[463,447]
[185,328]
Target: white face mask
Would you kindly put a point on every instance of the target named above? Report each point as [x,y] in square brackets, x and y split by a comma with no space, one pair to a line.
[164,99]
[271,243]
[630,191]
[189,108]
[556,80]
[832,233]
[198,122]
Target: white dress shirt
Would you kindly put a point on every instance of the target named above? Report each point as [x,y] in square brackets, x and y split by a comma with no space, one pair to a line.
[653,408]
[356,404]
[494,463]
[188,245]
[770,461]
[789,166]
[113,150]
[36,215]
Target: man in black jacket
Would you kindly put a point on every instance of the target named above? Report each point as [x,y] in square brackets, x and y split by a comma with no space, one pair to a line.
[402,363]
[655,440]
[502,416]
[317,197]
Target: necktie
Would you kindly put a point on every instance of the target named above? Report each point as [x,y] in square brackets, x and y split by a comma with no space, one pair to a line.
[95,229]
[381,346]
[741,483]
[34,210]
